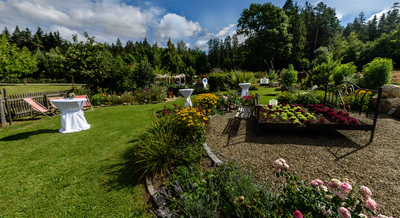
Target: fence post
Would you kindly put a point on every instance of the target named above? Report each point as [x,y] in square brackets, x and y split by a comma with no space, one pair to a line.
[7,106]
[46,100]
[2,114]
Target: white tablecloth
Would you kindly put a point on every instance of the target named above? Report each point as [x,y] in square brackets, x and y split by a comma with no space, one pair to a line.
[72,116]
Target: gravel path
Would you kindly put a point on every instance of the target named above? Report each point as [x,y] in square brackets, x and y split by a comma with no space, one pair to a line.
[318,154]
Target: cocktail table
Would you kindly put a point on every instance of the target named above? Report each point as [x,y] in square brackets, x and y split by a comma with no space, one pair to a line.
[72,116]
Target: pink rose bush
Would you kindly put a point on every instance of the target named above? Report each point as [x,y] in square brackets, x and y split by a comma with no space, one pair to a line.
[336,200]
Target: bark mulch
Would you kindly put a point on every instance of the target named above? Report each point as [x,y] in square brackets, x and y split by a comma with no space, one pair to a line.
[318,154]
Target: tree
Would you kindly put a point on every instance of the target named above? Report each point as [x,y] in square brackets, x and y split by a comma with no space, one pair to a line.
[171,60]
[267,25]
[15,38]
[15,62]
[372,28]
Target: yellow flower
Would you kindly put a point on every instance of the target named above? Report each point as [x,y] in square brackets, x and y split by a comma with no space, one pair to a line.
[183,118]
[204,118]
[209,110]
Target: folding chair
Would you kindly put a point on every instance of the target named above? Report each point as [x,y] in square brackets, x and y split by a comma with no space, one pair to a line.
[37,107]
[87,104]
[53,107]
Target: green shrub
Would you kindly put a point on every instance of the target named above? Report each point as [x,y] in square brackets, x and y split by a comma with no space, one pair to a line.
[377,73]
[322,73]
[217,81]
[240,77]
[272,76]
[95,100]
[314,97]
[289,76]
[342,71]
[253,87]
[304,64]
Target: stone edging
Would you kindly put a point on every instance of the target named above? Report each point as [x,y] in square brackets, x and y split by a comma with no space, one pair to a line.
[158,199]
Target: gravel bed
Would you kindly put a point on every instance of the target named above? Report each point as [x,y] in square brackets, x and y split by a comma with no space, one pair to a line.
[317,154]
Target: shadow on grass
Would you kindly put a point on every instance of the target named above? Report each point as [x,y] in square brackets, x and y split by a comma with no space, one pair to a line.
[26,135]
[123,173]
[336,143]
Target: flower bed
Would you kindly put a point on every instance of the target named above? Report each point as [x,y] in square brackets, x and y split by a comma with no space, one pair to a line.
[301,116]
[318,116]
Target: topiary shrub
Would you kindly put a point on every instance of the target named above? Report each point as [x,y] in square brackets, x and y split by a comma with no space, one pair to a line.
[343,70]
[217,81]
[289,76]
[377,73]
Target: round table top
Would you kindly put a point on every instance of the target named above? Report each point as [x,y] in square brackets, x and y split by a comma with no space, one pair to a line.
[67,105]
[69,100]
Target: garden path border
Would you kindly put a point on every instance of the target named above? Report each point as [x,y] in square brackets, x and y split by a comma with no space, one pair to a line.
[158,199]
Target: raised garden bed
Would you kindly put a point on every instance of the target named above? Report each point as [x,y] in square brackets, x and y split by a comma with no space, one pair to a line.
[346,95]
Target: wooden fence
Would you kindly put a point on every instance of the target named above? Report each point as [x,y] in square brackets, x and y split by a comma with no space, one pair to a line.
[13,106]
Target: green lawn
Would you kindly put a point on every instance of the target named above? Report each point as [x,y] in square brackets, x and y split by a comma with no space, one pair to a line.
[44,173]
[266,93]
[18,89]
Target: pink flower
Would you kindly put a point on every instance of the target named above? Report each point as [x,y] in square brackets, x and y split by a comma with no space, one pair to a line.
[286,166]
[297,214]
[278,170]
[362,215]
[332,185]
[345,187]
[325,212]
[278,163]
[371,204]
[324,188]
[340,195]
[320,182]
[282,160]
[366,191]
[314,183]
[343,212]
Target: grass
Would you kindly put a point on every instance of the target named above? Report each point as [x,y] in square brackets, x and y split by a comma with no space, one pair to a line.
[44,173]
[19,89]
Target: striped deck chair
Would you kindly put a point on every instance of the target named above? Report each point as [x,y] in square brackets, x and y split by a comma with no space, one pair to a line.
[87,104]
[37,107]
[53,107]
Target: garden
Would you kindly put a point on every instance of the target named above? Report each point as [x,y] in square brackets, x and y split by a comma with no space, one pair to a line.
[281,173]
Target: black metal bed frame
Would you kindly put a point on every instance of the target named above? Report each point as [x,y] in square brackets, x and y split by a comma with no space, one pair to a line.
[335,95]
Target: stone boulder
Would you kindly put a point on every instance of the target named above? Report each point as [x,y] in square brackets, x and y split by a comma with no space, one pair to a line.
[387,103]
[397,112]
[390,91]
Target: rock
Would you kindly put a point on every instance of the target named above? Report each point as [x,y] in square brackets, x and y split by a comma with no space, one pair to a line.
[125,103]
[397,112]
[102,105]
[390,91]
[387,104]
[391,111]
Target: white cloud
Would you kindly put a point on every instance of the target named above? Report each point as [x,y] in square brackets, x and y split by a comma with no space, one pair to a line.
[66,33]
[379,14]
[176,27]
[107,17]
[315,3]
[201,44]
[225,31]
[187,45]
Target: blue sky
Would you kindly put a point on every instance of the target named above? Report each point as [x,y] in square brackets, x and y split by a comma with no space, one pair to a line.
[194,22]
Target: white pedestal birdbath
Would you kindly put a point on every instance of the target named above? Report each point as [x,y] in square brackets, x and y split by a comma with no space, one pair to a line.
[245,89]
[187,93]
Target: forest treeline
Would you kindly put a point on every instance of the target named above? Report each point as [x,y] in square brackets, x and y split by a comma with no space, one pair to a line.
[274,38]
